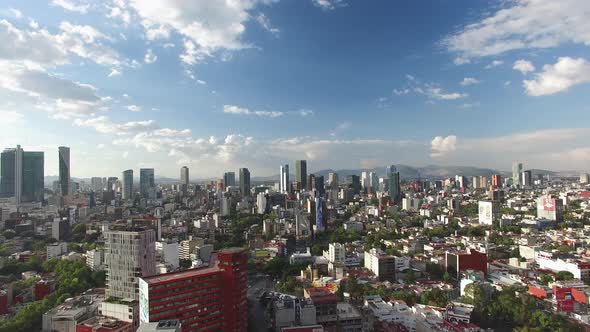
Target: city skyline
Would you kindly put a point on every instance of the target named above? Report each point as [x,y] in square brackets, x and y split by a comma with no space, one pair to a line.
[449,93]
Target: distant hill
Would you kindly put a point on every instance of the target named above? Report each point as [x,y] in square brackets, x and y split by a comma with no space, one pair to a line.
[406,173]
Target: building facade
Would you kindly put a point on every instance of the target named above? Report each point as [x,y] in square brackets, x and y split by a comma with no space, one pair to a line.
[211,298]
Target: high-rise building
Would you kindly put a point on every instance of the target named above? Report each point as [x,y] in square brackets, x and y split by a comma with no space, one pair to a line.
[184,179]
[229,179]
[318,184]
[22,175]
[354,182]
[211,298]
[129,254]
[374,182]
[128,184]
[284,184]
[301,174]
[527,179]
[333,180]
[584,178]
[497,180]
[33,176]
[394,187]
[244,181]
[96,184]
[365,180]
[147,184]
[517,174]
[64,170]
[390,169]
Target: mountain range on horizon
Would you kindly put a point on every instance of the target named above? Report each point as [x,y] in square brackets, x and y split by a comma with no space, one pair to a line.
[406,173]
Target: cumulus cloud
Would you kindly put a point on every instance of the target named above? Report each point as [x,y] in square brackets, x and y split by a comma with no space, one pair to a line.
[134,108]
[72,5]
[437,93]
[208,28]
[266,25]
[42,47]
[562,75]
[150,57]
[232,109]
[523,24]
[494,63]
[469,81]
[329,4]
[523,66]
[442,146]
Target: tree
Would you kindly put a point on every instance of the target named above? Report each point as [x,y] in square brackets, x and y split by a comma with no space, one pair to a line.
[409,277]
[545,279]
[185,263]
[564,275]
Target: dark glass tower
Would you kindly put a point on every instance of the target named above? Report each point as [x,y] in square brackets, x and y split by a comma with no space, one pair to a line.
[301,174]
[64,170]
[245,181]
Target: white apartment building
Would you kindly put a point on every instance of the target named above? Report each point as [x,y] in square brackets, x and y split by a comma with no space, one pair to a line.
[129,254]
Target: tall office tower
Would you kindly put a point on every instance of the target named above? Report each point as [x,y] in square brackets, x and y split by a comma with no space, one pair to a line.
[301,174]
[130,254]
[18,174]
[111,183]
[320,216]
[318,185]
[373,182]
[354,182]
[8,173]
[365,180]
[244,181]
[584,178]
[284,184]
[184,179]
[33,176]
[22,175]
[147,184]
[229,179]
[128,184]
[497,180]
[527,179]
[394,187]
[209,298]
[390,169]
[310,181]
[333,180]
[516,174]
[64,170]
[96,184]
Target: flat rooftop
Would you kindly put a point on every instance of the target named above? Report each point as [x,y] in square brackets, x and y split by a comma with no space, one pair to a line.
[159,278]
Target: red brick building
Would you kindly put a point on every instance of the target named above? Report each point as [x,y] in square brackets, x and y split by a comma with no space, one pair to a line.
[211,298]
[471,260]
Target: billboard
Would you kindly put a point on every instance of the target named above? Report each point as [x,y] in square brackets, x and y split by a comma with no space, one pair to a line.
[144,301]
[486,213]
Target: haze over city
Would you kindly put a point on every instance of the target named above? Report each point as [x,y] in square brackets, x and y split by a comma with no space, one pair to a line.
[344,84]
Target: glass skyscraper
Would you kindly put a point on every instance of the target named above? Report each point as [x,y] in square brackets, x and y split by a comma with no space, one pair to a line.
[64,170]
[147,185]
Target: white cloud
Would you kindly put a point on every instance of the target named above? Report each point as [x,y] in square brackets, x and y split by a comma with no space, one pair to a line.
[524,24]
[114,72]
[469,81]
[523,66]
[305,112]
[104,125]
[209,28]
[119,11]
[461,61]
[266,25]
[400,92]
[562,75]
[442,146]
[232,109]
[134,108]
[150,57]
[46,49]
[72,5]
[11,13]
[494,63]
[329,4]
[437,93]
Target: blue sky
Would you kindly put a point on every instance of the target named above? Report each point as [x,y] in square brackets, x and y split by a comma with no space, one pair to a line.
[218,85]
